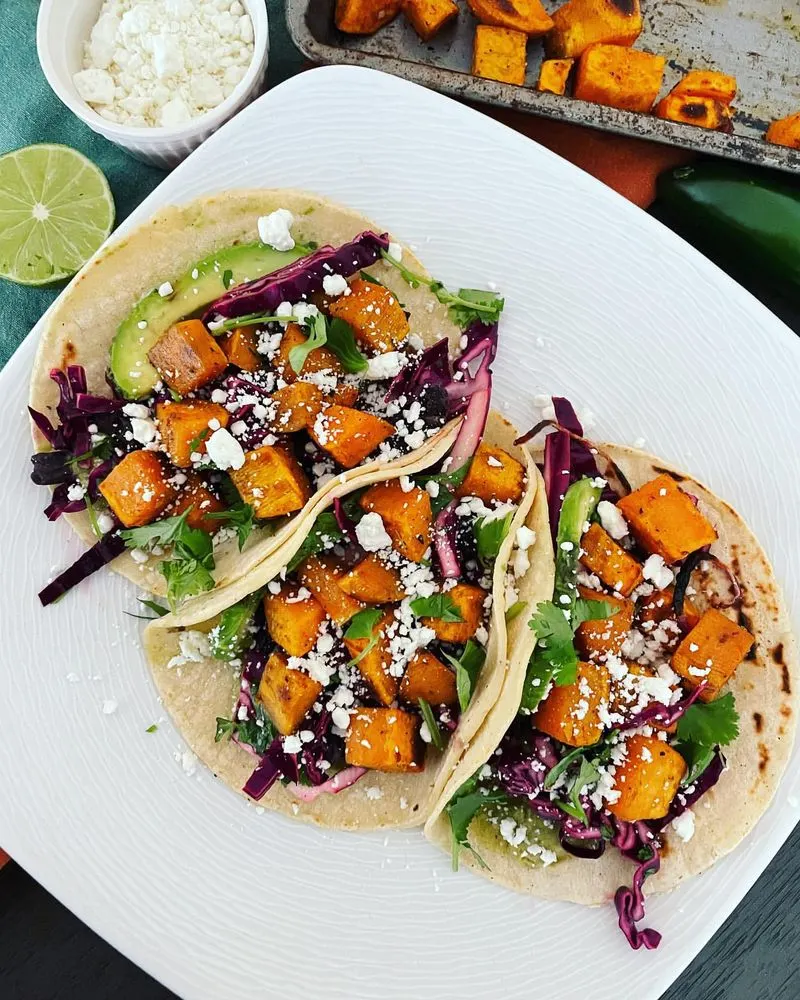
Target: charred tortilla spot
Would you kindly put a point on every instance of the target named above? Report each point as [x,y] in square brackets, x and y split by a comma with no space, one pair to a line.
[777,654]
[786,686]
[69,354]
[785,710]
[763,757]
[758,721]
[669,472]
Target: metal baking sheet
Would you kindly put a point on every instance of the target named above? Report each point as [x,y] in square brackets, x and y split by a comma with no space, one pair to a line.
[758,42]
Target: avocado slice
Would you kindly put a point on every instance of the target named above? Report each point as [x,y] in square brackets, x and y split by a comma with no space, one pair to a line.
[192,293]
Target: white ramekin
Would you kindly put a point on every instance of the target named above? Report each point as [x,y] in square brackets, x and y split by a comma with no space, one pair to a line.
[62,29]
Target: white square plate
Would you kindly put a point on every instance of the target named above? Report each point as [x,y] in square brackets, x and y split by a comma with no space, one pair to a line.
[603,305]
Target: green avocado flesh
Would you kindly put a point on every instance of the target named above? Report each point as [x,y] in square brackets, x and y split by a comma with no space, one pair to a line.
[132,372]
[486,827]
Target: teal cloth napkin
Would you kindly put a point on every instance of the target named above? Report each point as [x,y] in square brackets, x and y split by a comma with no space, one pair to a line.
[32,113]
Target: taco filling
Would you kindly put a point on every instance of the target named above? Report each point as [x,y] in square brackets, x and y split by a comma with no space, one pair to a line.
[241,410]
[624,709]
[363,652]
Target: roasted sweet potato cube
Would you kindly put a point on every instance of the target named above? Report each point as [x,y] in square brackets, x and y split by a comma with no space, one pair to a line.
[364,17]
[377,318]
[407,516]
[293,619]
[195,494]
[553,75]
[373,581]
[239,347]
[500,54]
[619,77]
[493,476]
[711,652]
[785,131]
[319,360]
[691,109]
[665,520]
[287,695]
[185,428]
[428,17]
[706,83]
[138,489]
[375,660]
[658,607]
[345,394]
[468,599]
[647,779]
[384,739]
[321,574]
[571,713]
[526,16]
[581,23]
[187,356]
[427,677]
[272,482]
[296,407]
[347,435]
[617,569]
[595,639]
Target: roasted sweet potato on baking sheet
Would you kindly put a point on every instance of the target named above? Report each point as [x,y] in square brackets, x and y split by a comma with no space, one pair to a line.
[384,739]
[272,482]
[527,16]
[785,131]
[287,695]
[619,77]
[601,555]
[500,54]
[428,678]
[377,318]
[321,574]
[493,475]
[373,581]
[706,83]
[428,17]
[185,428]
[665,520]
[364,17]
[704,112]
[647,779]
[187,356]
[711,652]
[598,637]
[468,600]
[293,619]
[374,659]
[296,407]
[138,488]
[570,713]
[578,24]
[349,435]
[553,75]
[407,516]
[239,347]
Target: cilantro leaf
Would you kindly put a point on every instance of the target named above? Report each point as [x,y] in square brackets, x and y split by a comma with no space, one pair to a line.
[452,480]
[225,728]
[472,304]
[490,532]
[325,530]
[555,636]
[711,723]
[317,338]
[538,677]
[163,532]
[154,606]
[467,668]
[514,610]
[185,578]
[240,517]
[228,637]
[697,759]
[195,443]
[362,626]
[587,775]
[431,723]
[257,732]
[152,729]
[342,341]
[462,808]
[436,606]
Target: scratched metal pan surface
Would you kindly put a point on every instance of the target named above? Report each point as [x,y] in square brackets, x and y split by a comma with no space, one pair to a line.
[757,42]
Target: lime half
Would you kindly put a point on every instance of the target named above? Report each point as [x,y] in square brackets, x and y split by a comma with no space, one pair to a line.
[56,209]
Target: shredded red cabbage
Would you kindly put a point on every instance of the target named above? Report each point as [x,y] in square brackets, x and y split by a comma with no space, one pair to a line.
[432,368]
[344,779]
[630,902]
[664,715]
[299,280]
[556,474]
[346,524]
[687,797]
[100,554]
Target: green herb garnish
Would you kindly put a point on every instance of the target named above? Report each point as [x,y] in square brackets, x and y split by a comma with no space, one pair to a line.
[240,516]
[151,729]
[342,341]
[467,668]
[490,533]
[440,606]
[324,532]
[317,338]
[431,723]
[227,279]
[702,728]
[514,611]
[462,809]
[362,626]
[228,637]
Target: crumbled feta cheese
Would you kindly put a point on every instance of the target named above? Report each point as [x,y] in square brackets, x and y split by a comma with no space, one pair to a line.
[193,646]
[76,491]
[334,284]
[292,744]
[425,733]
[224,450]
[432,488]
[105,522]
[166,290]
[384,366]
[406,484]
[373,793]
[683,825]
[656,570]
[371,534]
[109,706]
[274,229]
[395,251]
[143,431]
[512,833]
[612,520]
[139,556]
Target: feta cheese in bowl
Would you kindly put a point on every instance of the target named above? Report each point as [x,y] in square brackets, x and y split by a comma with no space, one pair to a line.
[156,77]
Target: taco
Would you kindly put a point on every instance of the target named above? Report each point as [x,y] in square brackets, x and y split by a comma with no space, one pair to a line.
[649,712]
[207,378]
[347,682]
